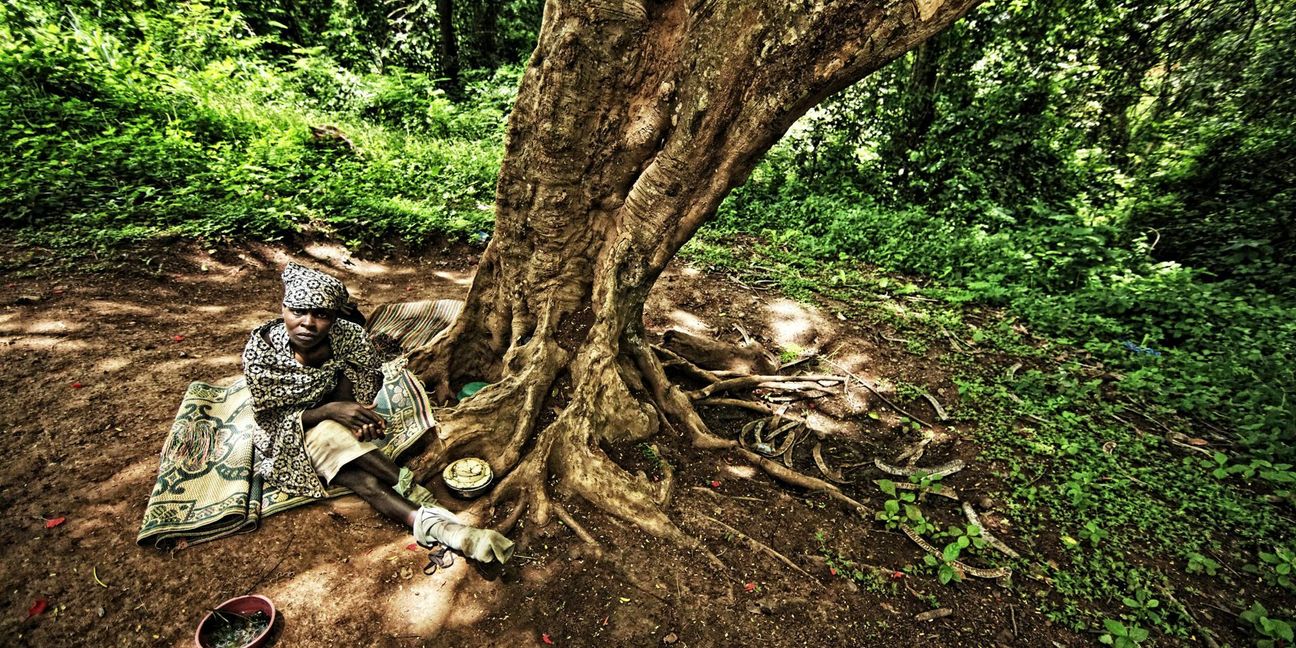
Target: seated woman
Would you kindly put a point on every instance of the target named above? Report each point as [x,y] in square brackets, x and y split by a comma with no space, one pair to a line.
[313,379]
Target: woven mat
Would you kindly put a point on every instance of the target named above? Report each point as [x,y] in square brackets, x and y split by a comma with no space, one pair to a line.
[205,487]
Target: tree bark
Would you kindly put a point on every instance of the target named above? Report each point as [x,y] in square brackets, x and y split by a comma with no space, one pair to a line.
[448,56]
[919,102]
[633,121]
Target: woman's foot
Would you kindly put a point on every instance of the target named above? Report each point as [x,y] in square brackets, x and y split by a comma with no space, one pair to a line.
[435,524]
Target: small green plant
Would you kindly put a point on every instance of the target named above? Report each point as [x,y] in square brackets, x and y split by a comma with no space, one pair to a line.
[968,538]
[1092,533]
[1283,564]
[1120,635]
[790,352]
[1273,633]
[1145,607]
[1199,564]
[902,507]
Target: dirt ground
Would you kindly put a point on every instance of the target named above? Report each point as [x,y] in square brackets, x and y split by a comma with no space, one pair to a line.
[95,365]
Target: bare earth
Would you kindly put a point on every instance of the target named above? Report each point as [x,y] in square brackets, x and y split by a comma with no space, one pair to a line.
[93,373]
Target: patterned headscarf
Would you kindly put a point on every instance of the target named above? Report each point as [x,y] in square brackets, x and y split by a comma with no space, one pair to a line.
[308,289]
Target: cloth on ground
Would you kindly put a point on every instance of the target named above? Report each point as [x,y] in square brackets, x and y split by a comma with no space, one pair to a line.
[413,324]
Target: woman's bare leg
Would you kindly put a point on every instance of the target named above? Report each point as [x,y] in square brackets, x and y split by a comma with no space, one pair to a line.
[372,489]
[377,464]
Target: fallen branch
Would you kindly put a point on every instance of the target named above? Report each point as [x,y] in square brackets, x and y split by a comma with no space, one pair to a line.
[712,491]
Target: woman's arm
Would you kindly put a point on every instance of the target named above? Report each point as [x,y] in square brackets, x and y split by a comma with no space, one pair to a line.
[340,406]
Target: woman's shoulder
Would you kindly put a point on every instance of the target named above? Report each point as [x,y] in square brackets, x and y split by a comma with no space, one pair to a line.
[349,330]
[261,338]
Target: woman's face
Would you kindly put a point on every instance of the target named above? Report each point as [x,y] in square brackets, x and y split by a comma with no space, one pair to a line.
[308,327]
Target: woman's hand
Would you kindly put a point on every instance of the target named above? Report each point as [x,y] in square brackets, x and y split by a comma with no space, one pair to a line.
[362,420]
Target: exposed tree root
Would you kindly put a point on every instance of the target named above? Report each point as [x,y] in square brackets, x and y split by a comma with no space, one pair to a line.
[567,519]
[997,572]
[747,382]
[975,521]
[749,357]
[787,475]
[675,360]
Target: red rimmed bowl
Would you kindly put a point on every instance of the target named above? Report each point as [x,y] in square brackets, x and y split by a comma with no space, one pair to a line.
[243,605]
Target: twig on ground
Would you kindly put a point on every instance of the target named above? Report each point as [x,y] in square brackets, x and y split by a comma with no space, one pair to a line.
[268,571]
[757,544]
[875,392]
[712,491]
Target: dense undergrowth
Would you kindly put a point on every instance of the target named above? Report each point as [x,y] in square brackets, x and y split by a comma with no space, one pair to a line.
[189,128]
[1150,428]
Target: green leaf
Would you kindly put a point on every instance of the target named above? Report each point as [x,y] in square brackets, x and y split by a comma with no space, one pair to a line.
[1115,627]
[951,552]
[887,486]
[912,512]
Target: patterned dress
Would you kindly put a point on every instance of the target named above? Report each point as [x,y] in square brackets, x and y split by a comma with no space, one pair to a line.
[283,388]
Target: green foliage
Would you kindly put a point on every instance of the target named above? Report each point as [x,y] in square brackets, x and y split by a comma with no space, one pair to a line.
[1122,636]
[1270,632]
[184,128]
[1278,567]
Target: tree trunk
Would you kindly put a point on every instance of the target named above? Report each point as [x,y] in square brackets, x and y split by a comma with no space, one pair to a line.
[449,49]
[919,103]
[633,121]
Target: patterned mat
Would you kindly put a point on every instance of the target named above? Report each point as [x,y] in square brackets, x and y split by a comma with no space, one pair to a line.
[205,487]
[414,324]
